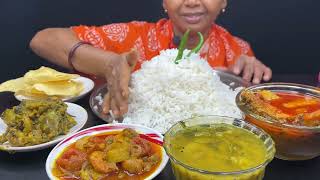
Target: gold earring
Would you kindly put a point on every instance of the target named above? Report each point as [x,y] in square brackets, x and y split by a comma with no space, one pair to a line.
[223,10]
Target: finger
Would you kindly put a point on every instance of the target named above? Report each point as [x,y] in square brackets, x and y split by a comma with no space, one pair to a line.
[113,88]
[123,107]
[132,58]
[121,104]
[120,96]
[267,74]
[239,65]
[258,72]
[111,82]
[106,103]
[116,99]
[248,70]
[114,108]
[121,90]
[124,83]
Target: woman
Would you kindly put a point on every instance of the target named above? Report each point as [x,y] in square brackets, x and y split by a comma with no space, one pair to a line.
[113,51]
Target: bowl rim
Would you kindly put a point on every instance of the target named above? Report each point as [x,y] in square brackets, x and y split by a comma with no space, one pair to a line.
[270,120]
[107,118]
[264,164]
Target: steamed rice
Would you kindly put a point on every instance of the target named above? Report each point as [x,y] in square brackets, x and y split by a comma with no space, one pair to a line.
[162,92]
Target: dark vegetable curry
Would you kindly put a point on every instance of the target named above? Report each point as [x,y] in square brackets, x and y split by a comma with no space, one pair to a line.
[34,122]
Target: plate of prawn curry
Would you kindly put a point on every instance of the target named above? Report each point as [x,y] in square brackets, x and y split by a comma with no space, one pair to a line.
[117,151]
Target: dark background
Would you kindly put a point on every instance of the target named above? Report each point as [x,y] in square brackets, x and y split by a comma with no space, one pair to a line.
[283,33]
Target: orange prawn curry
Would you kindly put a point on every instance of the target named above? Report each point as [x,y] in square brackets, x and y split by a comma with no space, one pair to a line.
[286,107]
[121,155]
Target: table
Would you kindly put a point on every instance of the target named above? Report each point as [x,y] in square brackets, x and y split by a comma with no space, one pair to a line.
[32,165]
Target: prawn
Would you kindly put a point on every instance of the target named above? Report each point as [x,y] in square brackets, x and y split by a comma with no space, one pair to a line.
[140,147]
[98,162]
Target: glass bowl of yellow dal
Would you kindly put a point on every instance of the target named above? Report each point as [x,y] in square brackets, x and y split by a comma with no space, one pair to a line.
[217,147]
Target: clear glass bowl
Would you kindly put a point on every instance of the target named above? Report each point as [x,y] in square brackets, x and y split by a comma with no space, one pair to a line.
[185,172]
[292,142]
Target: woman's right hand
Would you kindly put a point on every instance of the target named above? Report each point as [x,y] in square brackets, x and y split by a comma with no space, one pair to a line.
[54,44]
[117,75]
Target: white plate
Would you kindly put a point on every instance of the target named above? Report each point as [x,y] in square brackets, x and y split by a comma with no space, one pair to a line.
[79,114]
[152,136]
[88,85]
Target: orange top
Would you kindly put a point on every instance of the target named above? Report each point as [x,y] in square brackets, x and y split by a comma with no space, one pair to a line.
[220,49]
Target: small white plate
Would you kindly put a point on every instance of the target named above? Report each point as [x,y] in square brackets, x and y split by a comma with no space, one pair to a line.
[148,134]
[88,85]
[79,114]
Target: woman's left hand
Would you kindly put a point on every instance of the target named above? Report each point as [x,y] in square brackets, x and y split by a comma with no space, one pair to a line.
[251,69]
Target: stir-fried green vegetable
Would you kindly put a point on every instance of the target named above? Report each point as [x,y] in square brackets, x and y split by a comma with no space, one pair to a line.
[35,122]
[183,43]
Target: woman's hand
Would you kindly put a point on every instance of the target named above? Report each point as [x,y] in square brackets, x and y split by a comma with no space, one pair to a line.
[118,73]
[251,69]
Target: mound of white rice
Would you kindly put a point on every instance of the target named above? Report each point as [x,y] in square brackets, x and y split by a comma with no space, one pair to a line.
[162,92]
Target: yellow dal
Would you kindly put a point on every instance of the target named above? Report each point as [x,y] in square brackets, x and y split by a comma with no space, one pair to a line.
[217,148]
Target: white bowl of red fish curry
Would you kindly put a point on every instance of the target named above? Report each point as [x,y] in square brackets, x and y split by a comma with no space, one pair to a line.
[290,113]
[109,151]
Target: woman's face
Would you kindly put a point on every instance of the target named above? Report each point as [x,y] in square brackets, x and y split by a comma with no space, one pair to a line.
[197,15]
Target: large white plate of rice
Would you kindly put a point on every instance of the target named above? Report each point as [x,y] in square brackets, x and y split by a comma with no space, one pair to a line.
[162,92]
